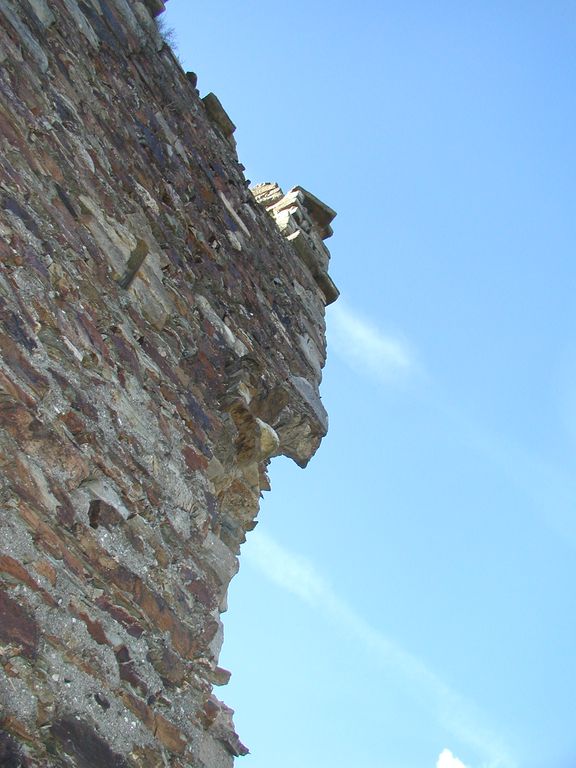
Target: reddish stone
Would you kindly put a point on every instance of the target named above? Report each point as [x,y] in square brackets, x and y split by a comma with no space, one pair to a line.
[82,405]
[126,354]
[17,728]
[147,757]
[233,744]
[170,736]
[184,638]
[210,712]
[45,569]
[18,363]
[135,539]
[142,711]
[169,665]
[93,626]
[65,512]
[127,669]
[85,745]
[209,632]
[15,390]
[200,590]
[164,425]
[19,422]
[18,473]
[18,627]
[162,362]
[95,629]
[117,465]
[165,731]
[128,621]
[10,133]
[14,324]
[15,569]
[169,394]
[91,330]
[34,437]
[101,513]
[45,537]
[194,461]
[220,676]
[74,424]
[160,614]
[87,662]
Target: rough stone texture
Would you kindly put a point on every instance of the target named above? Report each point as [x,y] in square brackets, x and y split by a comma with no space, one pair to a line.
[161,338]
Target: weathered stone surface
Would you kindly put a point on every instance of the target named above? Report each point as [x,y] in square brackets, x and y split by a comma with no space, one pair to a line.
[17,627]
[10,752]
[218,115]
[304,220]
[84,745]
[161,339]
[42,11]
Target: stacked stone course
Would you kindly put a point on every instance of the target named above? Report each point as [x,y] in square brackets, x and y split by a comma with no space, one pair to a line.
[161,338]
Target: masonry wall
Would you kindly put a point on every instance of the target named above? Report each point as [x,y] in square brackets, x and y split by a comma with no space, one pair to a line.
[160,341]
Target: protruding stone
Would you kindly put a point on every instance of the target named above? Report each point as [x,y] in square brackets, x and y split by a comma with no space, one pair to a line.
[304,220]
[218,115]
[320,213]
[42,11]
[313,260]
[267,193]
[268,440]
[156,7]
[220,676]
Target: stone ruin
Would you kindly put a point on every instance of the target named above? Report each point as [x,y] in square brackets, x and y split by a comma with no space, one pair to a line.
[161,339]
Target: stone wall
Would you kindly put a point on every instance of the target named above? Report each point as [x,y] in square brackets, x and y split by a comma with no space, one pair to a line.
[161,338]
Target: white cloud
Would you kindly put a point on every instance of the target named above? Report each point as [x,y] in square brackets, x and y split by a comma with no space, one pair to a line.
[460,717]
[362,345]
[290,572]
[447,760]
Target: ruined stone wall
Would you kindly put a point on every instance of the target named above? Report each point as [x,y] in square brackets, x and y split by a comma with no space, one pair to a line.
[161,338]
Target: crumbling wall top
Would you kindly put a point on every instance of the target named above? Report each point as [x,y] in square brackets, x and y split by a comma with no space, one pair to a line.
[304,220]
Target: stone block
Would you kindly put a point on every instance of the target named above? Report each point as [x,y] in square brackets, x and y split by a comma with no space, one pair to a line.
[218,115]
[18,628]
[42,12]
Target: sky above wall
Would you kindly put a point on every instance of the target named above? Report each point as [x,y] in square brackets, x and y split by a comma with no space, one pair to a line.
[408,601]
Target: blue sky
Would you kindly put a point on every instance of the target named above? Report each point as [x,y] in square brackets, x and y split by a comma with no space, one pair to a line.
[408,600]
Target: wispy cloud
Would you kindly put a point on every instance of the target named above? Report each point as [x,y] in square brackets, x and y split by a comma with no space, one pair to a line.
[460,717]
[447,760]
[366,347]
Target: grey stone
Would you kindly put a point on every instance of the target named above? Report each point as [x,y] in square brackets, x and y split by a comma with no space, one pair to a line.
[218,114]
[312,399]
[28,40]
[82,23]
[42,11]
